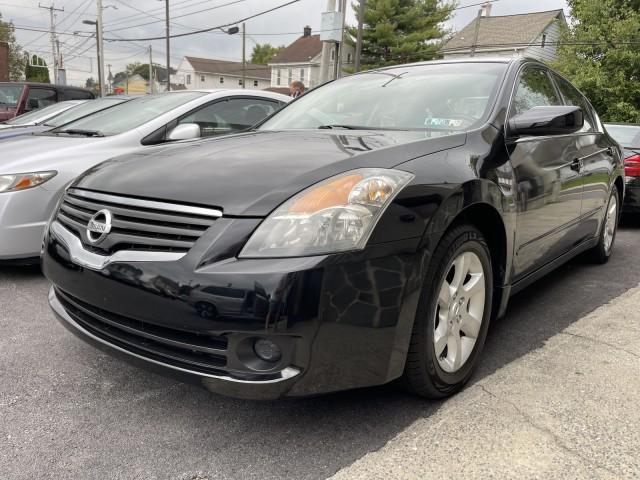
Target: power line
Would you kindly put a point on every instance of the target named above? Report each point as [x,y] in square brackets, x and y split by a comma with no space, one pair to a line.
[154,11]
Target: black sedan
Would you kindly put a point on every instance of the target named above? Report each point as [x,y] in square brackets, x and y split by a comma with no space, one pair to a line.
[368,231]
[628,136]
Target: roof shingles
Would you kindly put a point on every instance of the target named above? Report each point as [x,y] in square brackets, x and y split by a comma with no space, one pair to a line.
[513,30]
[225,67]
[302,50]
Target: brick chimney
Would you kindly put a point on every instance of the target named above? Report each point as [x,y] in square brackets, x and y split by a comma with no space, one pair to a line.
[307,31]
[485,9]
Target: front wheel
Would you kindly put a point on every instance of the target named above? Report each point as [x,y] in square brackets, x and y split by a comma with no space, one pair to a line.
[602,252]
[453,315]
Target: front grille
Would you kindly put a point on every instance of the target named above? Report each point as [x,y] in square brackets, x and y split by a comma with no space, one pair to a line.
[200,352]
[136,224]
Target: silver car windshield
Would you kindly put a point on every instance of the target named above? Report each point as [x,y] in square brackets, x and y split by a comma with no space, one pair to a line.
[439,97]
[37,116]
[83,110]
[128,115]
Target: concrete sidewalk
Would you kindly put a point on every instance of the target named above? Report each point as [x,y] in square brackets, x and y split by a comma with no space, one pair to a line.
[570,409]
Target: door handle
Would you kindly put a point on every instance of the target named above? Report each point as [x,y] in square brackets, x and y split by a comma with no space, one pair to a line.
[576,165]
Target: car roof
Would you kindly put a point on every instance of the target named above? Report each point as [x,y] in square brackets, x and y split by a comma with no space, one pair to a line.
[223,92]
[49,85]
[448,61]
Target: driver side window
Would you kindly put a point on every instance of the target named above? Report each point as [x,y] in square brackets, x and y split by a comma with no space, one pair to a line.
[535,89]
[229,116]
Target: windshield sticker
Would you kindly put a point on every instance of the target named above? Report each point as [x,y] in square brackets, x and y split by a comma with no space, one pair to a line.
[443,122]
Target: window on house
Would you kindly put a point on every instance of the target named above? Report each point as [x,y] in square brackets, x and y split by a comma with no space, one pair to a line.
[188,79]
[302,74]
[544,39]
[202,78]
[278,77]
[290,76]
[255,83]
[221,79]
[333,54]
[240,82]
[349,58]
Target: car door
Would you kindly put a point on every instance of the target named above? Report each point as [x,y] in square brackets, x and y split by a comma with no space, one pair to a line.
[549,191]
[230,115]
[594,155]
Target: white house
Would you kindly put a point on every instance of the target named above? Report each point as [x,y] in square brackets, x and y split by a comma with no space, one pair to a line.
[195,73]
[528,34]
[301,61]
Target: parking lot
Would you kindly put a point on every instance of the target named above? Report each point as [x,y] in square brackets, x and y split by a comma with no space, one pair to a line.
[69,411]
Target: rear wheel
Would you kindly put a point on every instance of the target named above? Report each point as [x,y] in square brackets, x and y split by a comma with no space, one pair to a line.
[602,252]
[453,315]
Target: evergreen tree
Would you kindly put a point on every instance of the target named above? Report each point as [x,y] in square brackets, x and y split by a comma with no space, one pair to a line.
[600,54]
[401,31]
[16,58]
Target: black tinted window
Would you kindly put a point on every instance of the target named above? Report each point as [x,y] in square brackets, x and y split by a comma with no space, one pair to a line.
[573,97]
[40,97]
[77,95]
[535,89]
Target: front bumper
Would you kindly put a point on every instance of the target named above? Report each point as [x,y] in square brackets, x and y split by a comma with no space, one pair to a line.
[343,321]
[631,202]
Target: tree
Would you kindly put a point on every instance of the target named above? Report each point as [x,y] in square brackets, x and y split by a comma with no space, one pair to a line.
[599,53]
[16,58]
[36,69]
[264,52]
[401,31]
[90,83]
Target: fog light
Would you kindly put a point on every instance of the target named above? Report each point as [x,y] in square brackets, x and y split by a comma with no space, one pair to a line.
[267,350]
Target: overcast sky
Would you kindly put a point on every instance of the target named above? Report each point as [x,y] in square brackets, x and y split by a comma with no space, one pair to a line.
[280,27]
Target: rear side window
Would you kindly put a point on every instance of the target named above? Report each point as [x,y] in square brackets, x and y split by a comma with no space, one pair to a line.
[572,96]
[535,89]
[40,97]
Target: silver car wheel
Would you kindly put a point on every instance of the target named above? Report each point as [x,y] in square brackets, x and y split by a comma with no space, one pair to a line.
[459,311]
[610,223]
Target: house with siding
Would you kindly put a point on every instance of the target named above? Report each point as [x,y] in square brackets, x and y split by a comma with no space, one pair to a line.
[528,34]
[301,61]
[197,73]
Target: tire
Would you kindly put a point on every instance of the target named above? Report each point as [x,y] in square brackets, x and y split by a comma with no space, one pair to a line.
[437,375]
[602,251]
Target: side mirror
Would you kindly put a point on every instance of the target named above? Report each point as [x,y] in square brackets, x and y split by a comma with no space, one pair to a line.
[185,131]
[554,120]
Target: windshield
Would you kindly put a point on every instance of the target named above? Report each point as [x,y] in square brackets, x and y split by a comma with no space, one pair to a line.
[83,110]
[41,114]
[437,97]
[10,94]
[129,115]
[626,135]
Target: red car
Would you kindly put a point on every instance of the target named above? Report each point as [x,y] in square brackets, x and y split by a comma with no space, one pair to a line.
[17,98]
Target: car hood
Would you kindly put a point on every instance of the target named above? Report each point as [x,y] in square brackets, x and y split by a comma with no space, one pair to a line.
[33,153]
[251,174]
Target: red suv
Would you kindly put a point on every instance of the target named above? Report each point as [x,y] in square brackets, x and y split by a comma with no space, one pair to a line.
[17,98]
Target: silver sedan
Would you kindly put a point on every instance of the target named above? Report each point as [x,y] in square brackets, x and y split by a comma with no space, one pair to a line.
[35,170]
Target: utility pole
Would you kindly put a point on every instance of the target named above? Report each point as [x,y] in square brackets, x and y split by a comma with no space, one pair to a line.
[359,36]
[244,62]
[168,54]
[53,9]
[342,7]
[326,50]
[100,48]
[150,70]
[476,32]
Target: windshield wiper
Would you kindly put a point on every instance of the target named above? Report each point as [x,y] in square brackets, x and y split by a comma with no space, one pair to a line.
[355,127]
[79,131]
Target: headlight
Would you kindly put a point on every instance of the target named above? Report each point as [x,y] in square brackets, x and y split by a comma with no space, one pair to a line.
[22,181]
[335,215]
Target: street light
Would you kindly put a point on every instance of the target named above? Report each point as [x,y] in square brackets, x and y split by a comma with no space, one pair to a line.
[100,73]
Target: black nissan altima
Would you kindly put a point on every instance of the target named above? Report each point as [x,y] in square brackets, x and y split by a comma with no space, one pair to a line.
[368,231]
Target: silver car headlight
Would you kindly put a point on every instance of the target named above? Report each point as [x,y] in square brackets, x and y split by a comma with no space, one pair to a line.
[335,215]
[22,181]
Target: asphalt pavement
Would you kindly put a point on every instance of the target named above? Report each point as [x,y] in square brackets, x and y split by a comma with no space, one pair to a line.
[68,411]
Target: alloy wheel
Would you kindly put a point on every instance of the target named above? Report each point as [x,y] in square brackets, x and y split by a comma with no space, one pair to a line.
[459,311]
[611,222]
